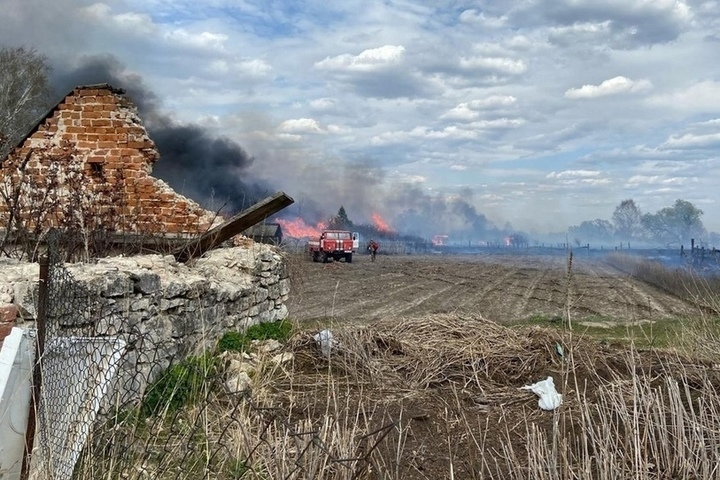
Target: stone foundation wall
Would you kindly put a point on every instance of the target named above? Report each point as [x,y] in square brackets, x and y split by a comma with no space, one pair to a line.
[162,309]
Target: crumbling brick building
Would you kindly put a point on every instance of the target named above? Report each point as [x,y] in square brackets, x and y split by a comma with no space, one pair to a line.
[87,166]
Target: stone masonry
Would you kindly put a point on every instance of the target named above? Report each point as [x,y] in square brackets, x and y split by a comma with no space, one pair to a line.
[163,309]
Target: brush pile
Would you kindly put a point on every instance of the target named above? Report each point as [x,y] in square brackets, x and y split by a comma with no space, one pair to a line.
[434,351]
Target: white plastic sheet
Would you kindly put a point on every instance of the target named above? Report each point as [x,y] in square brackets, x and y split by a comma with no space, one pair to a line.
[16,367]
[325,341]
[550,399]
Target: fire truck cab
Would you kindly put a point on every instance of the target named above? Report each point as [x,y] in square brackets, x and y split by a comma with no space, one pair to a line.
[333,244]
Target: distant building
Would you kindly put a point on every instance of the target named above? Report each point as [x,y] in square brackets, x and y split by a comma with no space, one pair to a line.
[270,233]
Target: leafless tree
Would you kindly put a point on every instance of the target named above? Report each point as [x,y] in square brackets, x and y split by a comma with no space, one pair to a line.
[25,93]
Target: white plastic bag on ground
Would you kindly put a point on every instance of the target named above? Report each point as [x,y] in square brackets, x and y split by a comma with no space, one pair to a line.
[550,399]
[325,341]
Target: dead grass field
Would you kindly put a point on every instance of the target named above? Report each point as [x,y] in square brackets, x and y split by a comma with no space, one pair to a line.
[438,346]
[424,380]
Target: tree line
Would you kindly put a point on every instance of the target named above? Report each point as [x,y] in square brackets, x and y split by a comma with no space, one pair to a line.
[670,226]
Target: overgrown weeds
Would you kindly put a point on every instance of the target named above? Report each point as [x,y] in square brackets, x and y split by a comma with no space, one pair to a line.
[681,281]
[241,341]
[432,397]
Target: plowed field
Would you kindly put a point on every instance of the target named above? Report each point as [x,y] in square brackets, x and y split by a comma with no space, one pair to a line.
[500,287]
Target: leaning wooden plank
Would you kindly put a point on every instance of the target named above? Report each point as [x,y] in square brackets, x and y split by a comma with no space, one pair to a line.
[243,220]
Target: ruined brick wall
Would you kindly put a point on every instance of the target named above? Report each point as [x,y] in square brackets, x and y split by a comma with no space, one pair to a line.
[88,165]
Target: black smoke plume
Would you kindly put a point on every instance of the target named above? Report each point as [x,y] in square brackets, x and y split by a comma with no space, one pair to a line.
[208,168]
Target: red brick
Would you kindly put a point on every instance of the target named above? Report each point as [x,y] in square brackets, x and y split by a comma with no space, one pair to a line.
[8,313]
[5,329]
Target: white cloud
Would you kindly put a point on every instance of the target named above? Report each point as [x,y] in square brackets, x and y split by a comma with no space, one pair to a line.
[415,179]
[367,61]
[693,141]
[613,86]
[300,126]
[202,40]
[498,123]
[459,168]
[574,174]
[323,103]
[472,16]
[637,180]
[452,132]
[506,66]
[581,28]
[249,68]
[290,138]
[131,22]
[461,112]
[471,110]
[701,96]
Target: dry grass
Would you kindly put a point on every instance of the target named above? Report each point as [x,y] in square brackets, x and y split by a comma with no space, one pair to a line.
[683,282]
[435,397]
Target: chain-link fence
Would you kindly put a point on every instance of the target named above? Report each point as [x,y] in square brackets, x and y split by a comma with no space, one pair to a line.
[115,404]
[77,367]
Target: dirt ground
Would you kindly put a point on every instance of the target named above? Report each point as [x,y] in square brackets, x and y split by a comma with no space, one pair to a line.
[500,287]
[424,346]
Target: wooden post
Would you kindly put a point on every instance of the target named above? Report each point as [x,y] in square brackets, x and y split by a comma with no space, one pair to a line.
[240,222]
[37,370]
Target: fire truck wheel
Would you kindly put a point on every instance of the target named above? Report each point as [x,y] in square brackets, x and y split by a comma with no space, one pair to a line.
[348,258]
[326,257]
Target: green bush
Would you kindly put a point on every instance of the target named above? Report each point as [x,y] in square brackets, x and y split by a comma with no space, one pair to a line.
[241,341]
[179,385]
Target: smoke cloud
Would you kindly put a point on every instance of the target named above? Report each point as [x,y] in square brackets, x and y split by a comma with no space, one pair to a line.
[214,171]
[208,168]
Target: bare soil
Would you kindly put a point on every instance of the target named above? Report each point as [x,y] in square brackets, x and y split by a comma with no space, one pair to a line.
[501,287]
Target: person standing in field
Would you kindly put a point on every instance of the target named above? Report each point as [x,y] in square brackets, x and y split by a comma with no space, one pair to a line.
[373,247]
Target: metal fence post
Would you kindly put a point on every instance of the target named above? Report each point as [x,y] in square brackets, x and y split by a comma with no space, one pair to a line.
[37,370]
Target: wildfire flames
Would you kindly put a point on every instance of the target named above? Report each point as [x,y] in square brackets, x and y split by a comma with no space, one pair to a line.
[381,224]
[297,228]
[439,240]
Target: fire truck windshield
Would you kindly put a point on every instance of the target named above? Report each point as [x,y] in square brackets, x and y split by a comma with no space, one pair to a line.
[338,235]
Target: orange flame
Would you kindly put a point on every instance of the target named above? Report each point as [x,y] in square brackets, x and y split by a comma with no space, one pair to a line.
[297,228]
[381,224]
[439,240]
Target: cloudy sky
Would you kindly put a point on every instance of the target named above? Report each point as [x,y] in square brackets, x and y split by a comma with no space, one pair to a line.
[540,113]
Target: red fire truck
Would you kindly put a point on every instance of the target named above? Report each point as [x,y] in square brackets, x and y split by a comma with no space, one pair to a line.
[333,244]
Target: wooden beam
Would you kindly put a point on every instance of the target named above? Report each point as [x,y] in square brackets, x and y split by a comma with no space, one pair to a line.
[240,222]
